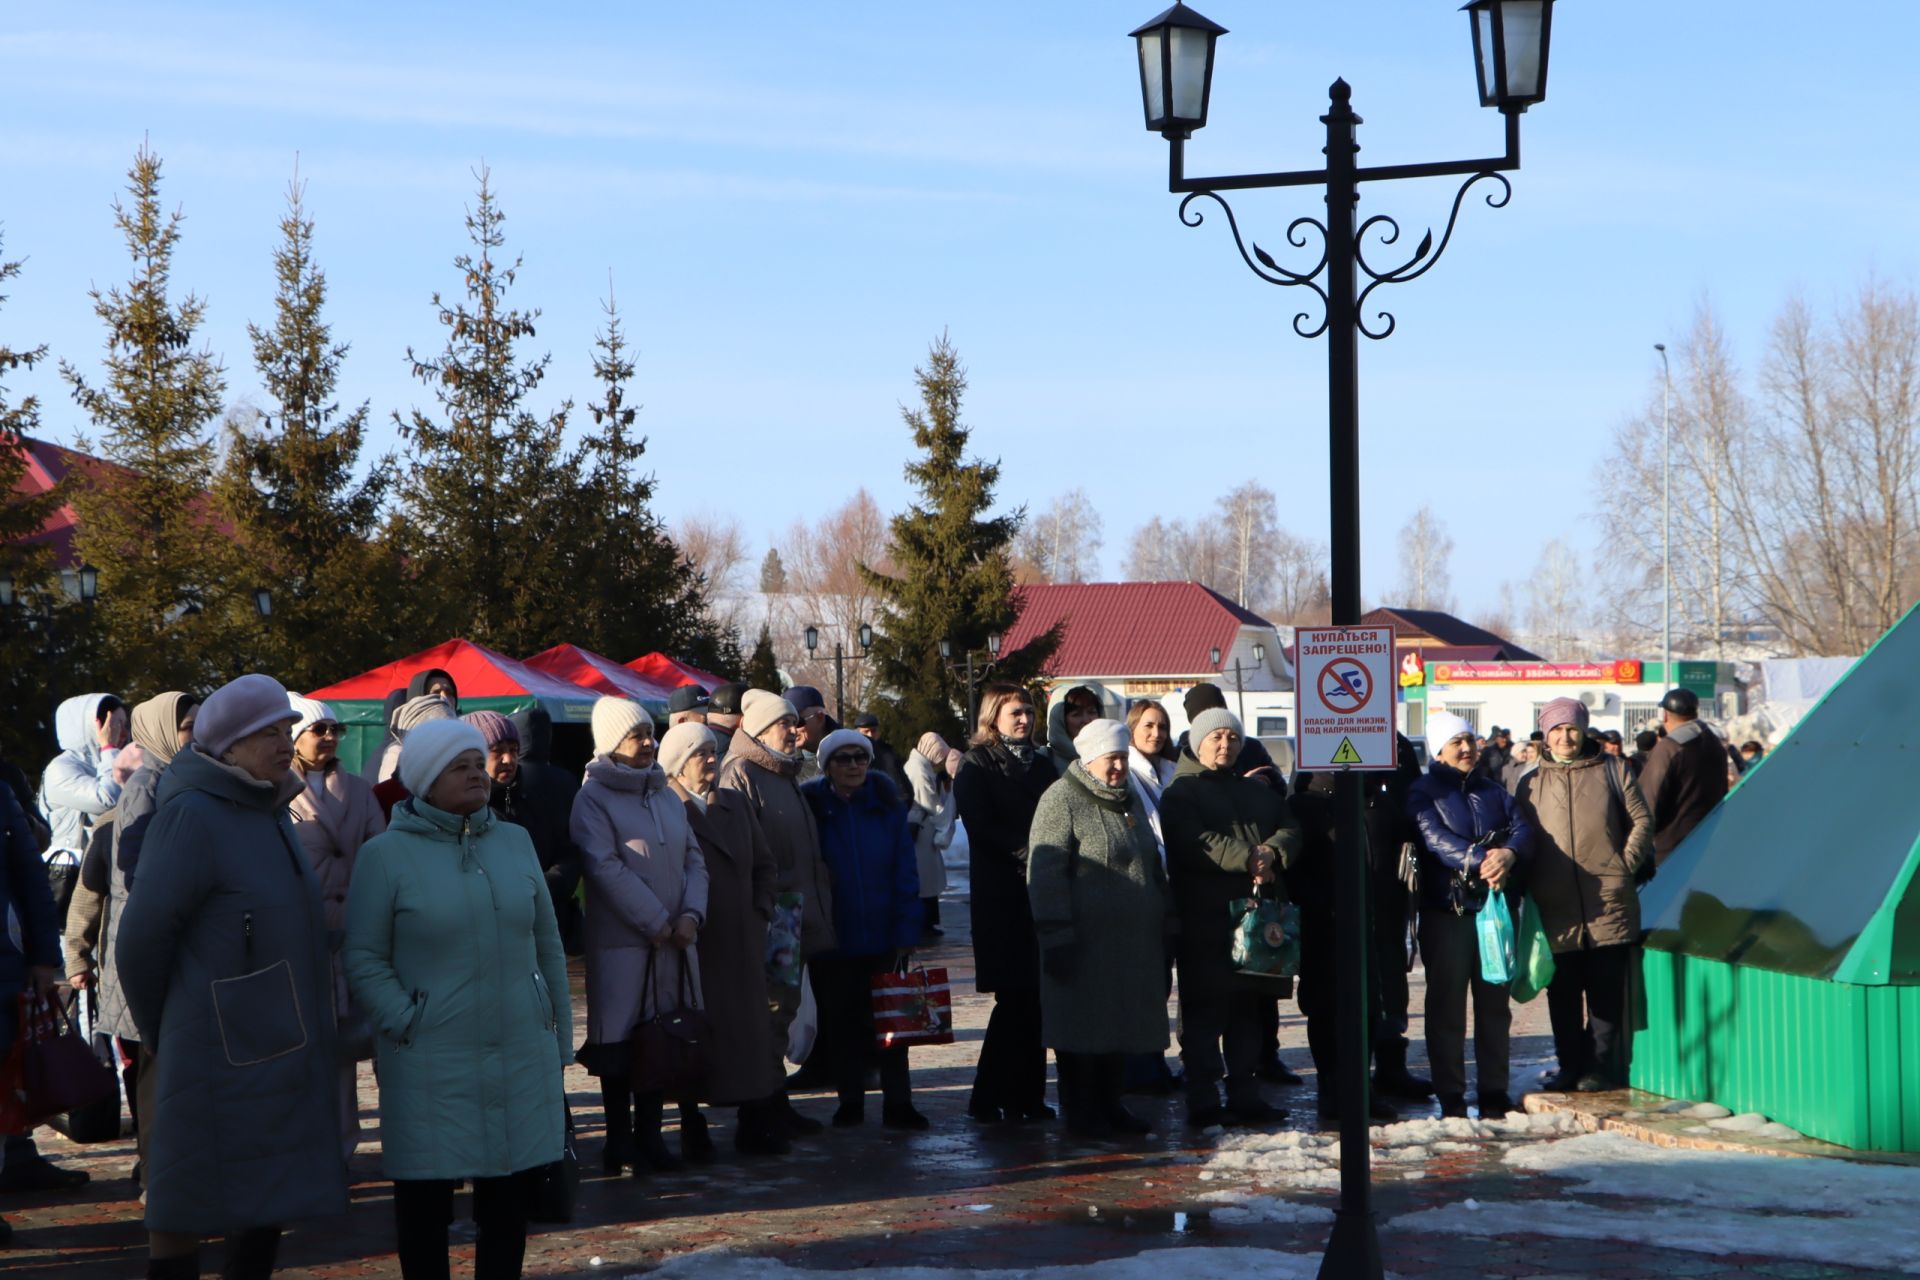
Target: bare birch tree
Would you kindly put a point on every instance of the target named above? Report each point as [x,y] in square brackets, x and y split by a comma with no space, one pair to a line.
[1062,543]
[1557,603]
[1426,556]
[1251,517]
[825,589]
[717,547]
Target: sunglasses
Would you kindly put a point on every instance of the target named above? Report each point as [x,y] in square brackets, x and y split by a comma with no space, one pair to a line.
[848,758]
[324,730]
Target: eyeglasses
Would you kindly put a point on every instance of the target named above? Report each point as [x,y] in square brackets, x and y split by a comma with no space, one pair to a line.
[848,758]
[325,730]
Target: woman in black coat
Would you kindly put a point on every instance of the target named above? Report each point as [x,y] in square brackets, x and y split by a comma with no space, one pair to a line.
[996,791]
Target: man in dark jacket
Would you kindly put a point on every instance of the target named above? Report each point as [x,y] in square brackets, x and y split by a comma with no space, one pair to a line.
[1389,829]
[1686,772]
[538,795]
[26,898]
[723,714]
[885,759]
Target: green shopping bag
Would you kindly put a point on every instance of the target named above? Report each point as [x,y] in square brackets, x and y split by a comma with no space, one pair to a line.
[1535,968]
[1266,937]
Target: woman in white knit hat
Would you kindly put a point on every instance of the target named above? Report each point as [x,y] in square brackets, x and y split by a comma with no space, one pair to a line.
[646,900]
[453,952]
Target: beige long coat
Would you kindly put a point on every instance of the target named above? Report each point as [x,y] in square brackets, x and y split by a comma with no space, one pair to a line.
[1587,845]
[771,787]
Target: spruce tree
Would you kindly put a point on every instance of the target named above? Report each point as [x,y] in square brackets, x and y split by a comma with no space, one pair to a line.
[487,492]
[164,619]
[29,668]
[646,596]
[773,574]
[763,669]
[954,570]
[308,529]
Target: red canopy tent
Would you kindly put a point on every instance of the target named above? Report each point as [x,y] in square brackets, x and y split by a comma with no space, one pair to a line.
[671,673]
[488,681]
[590,670]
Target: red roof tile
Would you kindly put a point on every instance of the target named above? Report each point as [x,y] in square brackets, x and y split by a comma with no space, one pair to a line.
[1130,628]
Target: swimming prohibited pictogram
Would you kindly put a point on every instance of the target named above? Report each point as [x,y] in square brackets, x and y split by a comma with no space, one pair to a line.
[1341,724]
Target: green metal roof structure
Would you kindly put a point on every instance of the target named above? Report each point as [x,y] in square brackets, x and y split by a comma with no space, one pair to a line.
[1782,960]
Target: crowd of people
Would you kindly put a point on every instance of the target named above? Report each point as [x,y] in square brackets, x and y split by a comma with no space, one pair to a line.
[252,919]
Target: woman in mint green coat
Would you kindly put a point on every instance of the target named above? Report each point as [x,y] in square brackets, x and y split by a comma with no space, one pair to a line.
[453,953]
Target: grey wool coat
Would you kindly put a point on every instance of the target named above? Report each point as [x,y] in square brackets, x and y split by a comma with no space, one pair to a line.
[222,955]
[644,870]
[1098,889]
[771,785]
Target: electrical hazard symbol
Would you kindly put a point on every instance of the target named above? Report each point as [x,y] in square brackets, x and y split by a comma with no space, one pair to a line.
[1345,753]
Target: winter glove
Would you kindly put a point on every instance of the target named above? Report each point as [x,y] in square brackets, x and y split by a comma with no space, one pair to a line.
[1058,962]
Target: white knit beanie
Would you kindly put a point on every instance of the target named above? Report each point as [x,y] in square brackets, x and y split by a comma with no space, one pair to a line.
[759,710]
[415,712]
[844,738]
[429,748]
[1100,738]
[1443,727]
[1207,721]
[679,745]
[308,713]
[613,720]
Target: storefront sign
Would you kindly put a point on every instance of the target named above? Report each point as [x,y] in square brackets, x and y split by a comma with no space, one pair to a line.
[1346,707]
[1619,671]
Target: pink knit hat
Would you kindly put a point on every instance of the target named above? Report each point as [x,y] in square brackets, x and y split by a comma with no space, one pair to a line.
[238,708]
[494,727]
[1563,711]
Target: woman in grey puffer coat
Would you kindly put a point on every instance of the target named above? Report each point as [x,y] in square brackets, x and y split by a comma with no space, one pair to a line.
[1102,912]
[646,900]
[223,958]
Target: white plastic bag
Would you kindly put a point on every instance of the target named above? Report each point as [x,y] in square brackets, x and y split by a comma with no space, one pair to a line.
[806,1024]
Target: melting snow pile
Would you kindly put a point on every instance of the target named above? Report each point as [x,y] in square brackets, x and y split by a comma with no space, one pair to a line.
[1718,1202]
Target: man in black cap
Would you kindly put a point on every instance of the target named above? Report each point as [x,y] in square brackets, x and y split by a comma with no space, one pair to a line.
[1686,773]
[723,713]
[688,705]
[885,758]
[815,725]
[1498,755]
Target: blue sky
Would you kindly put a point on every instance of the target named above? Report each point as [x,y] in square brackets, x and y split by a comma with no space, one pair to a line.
[792,200]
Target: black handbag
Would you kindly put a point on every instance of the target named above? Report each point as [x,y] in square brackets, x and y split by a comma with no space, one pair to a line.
[99,1119]
[671,1050]
[556,1185]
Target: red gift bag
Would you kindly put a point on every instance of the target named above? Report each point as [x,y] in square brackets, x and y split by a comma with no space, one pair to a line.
[912,1006]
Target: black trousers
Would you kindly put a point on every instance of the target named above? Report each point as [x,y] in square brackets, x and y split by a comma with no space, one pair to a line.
[1013,1059]
[843,993]
[1222,1036]
[423,1209]
[1451,946]
[1589,1038]
[1389,968]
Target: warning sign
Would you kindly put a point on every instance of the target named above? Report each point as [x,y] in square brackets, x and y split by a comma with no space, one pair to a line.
[1344,721]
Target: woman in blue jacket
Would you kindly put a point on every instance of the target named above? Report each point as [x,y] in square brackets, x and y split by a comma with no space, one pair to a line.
[876,920]
[1473,839]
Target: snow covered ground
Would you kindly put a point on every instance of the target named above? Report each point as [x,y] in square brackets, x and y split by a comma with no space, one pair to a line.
[1715,1202]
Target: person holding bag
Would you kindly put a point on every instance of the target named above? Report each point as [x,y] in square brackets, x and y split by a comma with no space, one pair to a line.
[646,902]
[1594,834]
[1473,841]
[1103,912]
[876,921]
[222,955]
[453,954]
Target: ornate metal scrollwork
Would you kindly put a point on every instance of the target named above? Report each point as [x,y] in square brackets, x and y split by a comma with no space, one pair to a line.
[1387,231]
[1266,267]
[1424,257]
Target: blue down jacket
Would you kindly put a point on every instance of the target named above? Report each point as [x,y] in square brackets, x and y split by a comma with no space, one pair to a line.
[1456,813]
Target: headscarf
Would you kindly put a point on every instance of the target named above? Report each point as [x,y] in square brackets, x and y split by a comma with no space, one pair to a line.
[933,747]
[156,725]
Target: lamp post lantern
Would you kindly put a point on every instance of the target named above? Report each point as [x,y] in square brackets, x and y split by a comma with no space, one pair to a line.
[1176,57]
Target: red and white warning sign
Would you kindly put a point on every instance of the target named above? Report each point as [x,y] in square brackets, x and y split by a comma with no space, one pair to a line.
[1346,694]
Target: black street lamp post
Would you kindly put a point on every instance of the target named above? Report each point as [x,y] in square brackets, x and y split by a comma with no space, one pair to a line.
[1510,43]
[812,638]
[993,656]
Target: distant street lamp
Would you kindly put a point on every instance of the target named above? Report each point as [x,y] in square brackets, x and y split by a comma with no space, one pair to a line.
[1176,54]
[993,656]
[812,637]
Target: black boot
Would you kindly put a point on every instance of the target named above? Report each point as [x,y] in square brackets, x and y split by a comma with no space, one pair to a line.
[1453,1106]
[184,1267]
[795,1124]
[1080,1097]
[649,1149]
[616,1103]
[696,1144]
[251,1254]
[1391,1077]
[1110,1081]
[757,1132]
